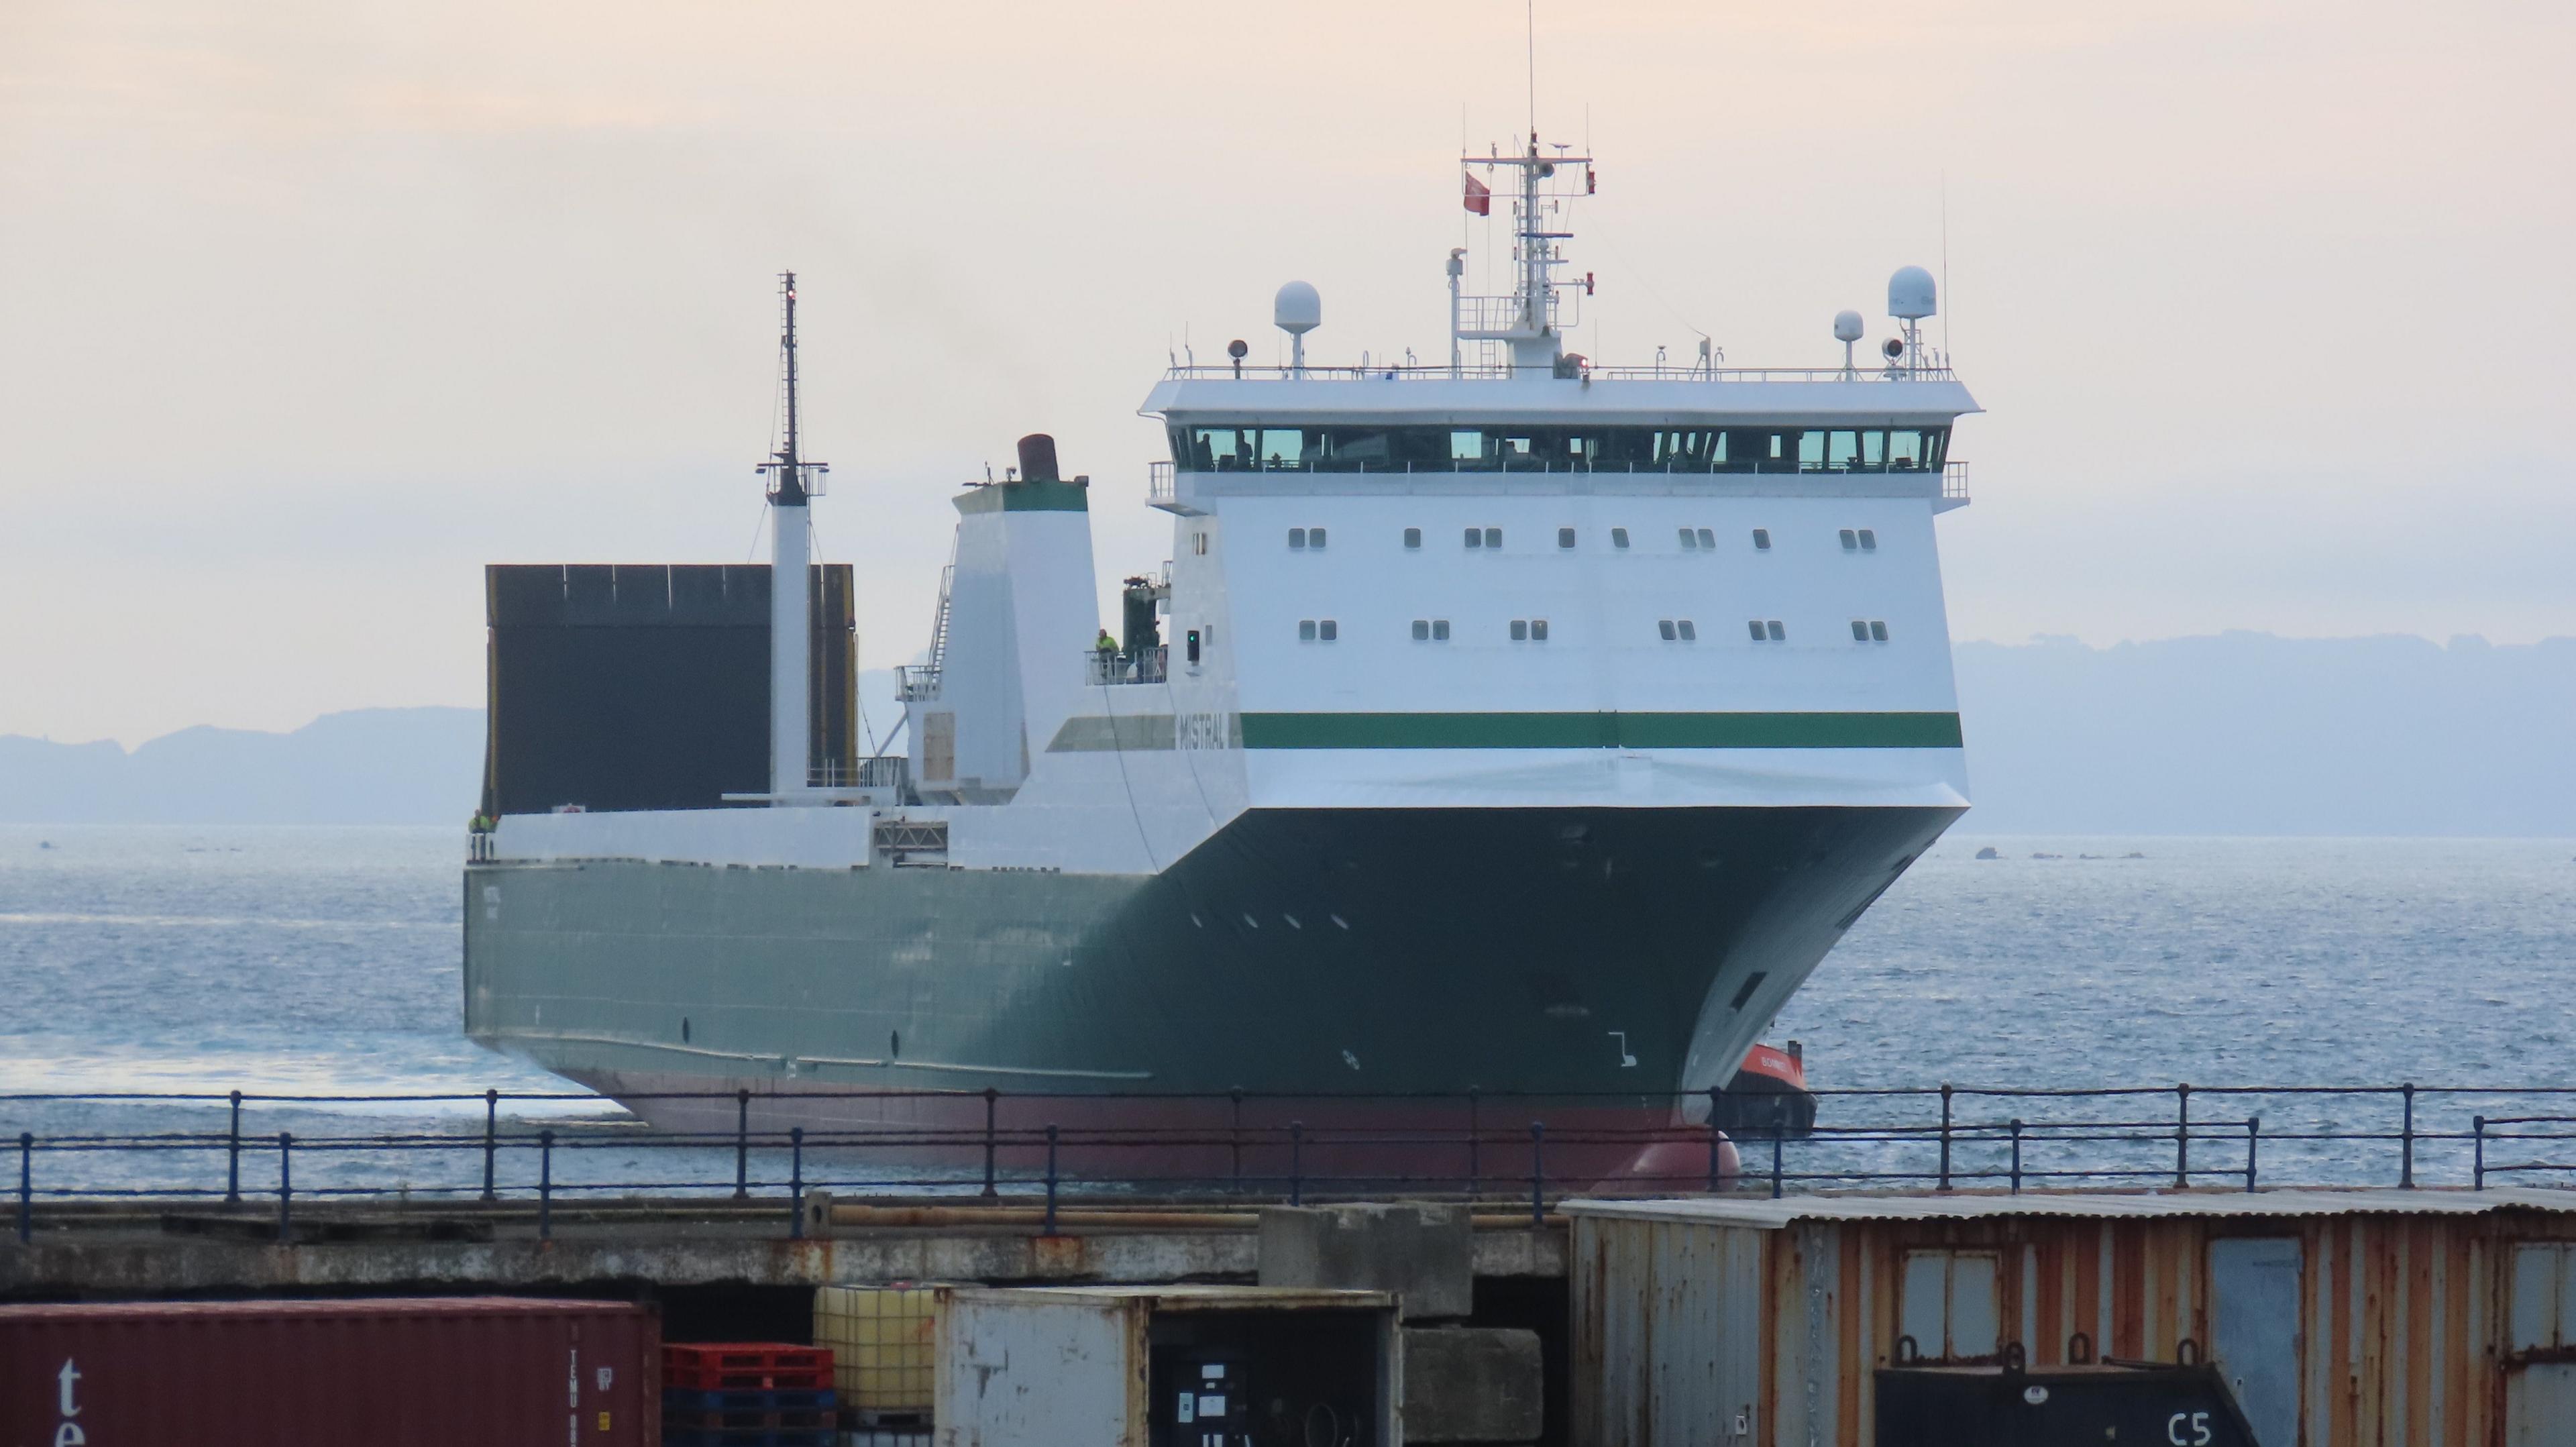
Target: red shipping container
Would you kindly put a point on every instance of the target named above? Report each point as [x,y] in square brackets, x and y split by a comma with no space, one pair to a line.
[429,1372]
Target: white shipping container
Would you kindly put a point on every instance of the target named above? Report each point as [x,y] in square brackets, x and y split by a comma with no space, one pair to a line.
[1101,1366]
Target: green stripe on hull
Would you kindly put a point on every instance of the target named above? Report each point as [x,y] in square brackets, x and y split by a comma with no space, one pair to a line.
[1601,731]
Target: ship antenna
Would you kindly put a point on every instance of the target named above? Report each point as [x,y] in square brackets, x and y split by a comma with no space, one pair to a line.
[793,481]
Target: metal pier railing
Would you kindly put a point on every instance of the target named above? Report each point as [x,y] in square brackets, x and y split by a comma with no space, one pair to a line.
[257,1150]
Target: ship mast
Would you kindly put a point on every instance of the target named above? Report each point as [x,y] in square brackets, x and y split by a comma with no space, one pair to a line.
[1530,319]
[793,481]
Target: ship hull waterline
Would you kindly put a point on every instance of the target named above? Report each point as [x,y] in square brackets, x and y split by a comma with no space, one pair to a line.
[1352,975]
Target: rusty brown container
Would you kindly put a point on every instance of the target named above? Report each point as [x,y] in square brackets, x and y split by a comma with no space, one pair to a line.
[493,1371]
[2364,1318]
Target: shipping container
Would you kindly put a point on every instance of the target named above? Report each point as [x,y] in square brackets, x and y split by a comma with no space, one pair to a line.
[2392,1318]
[487,1371]
[1182,1366]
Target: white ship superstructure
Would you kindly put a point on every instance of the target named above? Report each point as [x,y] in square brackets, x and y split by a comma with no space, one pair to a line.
[1515,723]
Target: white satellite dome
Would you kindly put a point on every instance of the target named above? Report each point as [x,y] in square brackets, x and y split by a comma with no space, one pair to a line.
[1298,310]
[1847,326]
[1910,294]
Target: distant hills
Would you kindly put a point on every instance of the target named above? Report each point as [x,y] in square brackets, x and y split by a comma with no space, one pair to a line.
[2243,733]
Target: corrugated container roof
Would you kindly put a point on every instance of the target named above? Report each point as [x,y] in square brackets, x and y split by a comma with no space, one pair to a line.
[371,1306]
[1212,1297]
[1773,1215]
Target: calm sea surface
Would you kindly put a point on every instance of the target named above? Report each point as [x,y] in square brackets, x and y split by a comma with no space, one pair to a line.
[323,960]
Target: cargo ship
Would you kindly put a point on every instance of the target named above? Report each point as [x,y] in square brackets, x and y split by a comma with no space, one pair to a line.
[1506,724]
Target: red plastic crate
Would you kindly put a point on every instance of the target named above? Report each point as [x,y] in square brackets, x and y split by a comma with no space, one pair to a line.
[745,1366]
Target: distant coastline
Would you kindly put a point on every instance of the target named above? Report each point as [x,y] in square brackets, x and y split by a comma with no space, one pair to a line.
[2236,734]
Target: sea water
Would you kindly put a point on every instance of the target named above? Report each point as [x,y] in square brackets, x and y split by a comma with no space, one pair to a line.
[325,961]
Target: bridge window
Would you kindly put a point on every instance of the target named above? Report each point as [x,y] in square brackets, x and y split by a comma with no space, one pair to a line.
[1868,541]
[1743,447]
[1766,630]
[1484,537]
[1297,537]
[1851,541]
[1690,541]
[1673,629]
[1618,537]
[1529,630]
[1317,630]
[1413,537]
[1565,537]
[1430,630]
[1762,540]
[1690,632]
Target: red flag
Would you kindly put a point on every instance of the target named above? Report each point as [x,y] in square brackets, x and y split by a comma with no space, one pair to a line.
[1479,199]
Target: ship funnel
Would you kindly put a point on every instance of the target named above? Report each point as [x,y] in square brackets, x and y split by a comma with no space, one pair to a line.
[1037,458]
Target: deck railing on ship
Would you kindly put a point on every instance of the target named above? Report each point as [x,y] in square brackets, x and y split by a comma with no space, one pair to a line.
[1139,665]
[1929,371]
[254,1153]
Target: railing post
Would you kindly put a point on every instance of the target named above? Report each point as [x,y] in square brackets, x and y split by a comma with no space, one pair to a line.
[232,1157]
[1234,1137]
[2016,1155]
[2182,1136]
[285,1188]
[1716,1138]
[742,1145]
[491,1140]
[796,1182]
[1945,1136]
[2253,1145]
[1049,1228]
[1538,1174]
[1296,1163]
[992,1098]
[2406,1140]
[1777,1176]
[545,1185]
[1475,1143]
[26,1187]
[2478,1129]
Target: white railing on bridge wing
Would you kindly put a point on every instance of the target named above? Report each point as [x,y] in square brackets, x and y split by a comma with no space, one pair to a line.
[1158,481]
[1954,480]
[1145,665]
[914,682]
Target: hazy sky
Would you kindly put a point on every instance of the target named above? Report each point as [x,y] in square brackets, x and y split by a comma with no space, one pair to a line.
[308,310]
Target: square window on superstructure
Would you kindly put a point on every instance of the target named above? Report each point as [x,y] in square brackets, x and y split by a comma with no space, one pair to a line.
[1860,631]
[1413,537]
[1762,540]
[1778,633]
[1690,634]
[1754,627]
[1314,537]
[1868,541]
[1328,630]
[1421,630]
[1708,539]
[1475,537]
[1565,537]
[1664,629]
[1690,541]
[1439,630]
[1296,537]
[1305,630]
[1493,537]
[1618,537]
[1851,540]
[1520,630]
[1538,630]
[1878,631]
